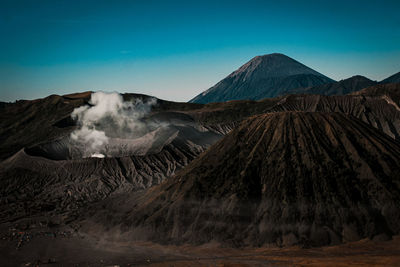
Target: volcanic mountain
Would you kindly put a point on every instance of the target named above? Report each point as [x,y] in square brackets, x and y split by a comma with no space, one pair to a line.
[342,87]
[40,165]
[280,178]
[395,78]
[263,76]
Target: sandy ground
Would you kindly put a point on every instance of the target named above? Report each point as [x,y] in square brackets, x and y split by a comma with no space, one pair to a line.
[61,247]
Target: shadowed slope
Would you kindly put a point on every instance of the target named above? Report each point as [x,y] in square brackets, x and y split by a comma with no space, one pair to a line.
[281,178]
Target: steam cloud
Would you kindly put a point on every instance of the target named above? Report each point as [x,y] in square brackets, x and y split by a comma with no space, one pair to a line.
[108,116]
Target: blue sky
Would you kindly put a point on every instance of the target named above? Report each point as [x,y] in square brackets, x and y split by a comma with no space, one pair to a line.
[176,49]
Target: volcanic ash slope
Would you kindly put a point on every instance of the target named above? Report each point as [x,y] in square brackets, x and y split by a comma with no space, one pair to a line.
[282,179]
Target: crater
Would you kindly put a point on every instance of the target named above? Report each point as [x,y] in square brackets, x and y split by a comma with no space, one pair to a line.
[150,143]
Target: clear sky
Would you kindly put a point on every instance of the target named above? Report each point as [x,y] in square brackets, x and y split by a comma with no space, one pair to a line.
[176,49]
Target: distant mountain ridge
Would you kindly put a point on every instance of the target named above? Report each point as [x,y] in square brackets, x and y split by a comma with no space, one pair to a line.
[342,87]
[263,76]
[395,78]
[346,86]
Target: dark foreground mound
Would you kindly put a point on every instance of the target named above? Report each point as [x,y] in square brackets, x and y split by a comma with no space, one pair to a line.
[281,178]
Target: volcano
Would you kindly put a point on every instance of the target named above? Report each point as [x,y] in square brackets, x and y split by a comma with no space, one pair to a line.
[287,178]
[47,178]
[263,76]
[40,164]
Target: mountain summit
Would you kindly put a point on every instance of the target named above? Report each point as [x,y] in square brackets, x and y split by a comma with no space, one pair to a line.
[263,76]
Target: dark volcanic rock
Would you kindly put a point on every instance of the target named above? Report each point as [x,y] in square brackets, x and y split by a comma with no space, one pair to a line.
[263,76]
[342,87]
[280,178]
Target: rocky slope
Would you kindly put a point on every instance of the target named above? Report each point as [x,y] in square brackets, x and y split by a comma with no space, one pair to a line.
[282,178]
[263,76]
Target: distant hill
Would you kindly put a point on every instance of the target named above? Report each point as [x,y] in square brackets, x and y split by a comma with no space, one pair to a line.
[395,78]
[263,76]
[342,87]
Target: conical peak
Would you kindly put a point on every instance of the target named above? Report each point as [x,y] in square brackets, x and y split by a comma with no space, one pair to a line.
[272,65]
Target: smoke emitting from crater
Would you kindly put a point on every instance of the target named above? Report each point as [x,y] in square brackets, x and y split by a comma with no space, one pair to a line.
[108,116]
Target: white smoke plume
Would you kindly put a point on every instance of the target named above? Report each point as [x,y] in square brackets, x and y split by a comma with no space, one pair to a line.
[108,116]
